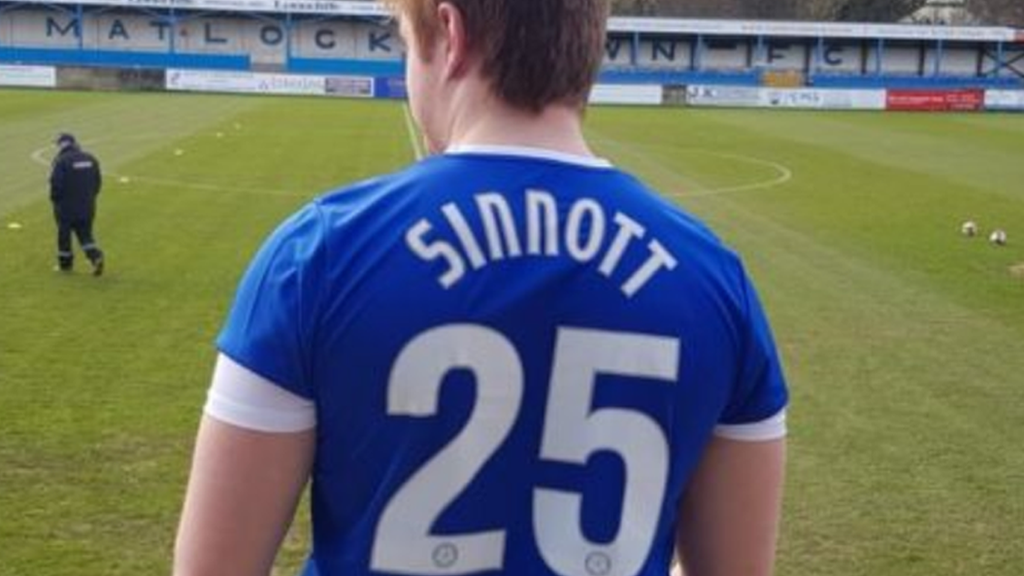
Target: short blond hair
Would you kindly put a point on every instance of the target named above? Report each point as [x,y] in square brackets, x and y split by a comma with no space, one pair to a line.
[534,52]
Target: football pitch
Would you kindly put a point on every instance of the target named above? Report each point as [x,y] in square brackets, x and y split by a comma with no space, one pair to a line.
[903,340]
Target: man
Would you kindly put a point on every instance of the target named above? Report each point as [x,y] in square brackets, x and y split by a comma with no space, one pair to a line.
[75,182]
[510,358]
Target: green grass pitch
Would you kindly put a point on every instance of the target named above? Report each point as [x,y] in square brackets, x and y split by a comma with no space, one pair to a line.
[901,337]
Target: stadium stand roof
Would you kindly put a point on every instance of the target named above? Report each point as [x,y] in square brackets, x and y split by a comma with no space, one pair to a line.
[815,29]
[616,25]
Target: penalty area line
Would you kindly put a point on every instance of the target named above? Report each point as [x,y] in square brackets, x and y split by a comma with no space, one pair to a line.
[39,157]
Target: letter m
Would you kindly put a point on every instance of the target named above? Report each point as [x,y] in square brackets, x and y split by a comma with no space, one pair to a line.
[71,27]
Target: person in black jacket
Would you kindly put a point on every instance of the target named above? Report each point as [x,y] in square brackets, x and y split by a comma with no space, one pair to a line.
[75,183]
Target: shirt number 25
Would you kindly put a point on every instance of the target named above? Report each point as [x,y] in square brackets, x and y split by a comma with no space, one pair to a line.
[573,430]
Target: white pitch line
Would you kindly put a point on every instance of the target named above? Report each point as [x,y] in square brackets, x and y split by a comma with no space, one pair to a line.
[784,173]
[38,157]
[417,147]
[214,187]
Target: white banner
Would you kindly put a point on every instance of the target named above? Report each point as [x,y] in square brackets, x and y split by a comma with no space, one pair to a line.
[726,96]
[349,86]
[796,98]
[831,99]
[245,82]
[636,94]
[28,76]
[1004,100]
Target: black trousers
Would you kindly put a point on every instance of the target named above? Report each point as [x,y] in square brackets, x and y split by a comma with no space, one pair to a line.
[81,228]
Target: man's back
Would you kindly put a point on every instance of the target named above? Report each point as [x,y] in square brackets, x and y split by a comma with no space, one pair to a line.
[499,360]
[74,183]
[516,360]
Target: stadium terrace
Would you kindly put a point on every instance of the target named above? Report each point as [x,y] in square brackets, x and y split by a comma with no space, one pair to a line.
[318,37]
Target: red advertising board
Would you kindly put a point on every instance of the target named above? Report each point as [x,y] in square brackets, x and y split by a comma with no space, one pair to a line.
[935,100]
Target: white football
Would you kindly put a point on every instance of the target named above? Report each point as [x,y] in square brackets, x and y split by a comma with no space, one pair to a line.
[969,228]
[997,237]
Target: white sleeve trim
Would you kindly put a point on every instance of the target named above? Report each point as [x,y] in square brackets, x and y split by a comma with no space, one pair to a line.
[243,398]
[773,428]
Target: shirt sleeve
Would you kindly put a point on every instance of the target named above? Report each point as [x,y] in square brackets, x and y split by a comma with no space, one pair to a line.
[756,411]
[269,330]
[246,399]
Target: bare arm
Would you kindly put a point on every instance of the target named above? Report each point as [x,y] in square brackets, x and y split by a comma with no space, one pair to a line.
[242,495]
[729,516]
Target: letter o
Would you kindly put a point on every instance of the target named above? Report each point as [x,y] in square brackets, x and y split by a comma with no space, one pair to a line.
[271,35]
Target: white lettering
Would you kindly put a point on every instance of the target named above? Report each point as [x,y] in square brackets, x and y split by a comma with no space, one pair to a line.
[629,229]
[583,232]
[584,252]
[465,234]
[435,250]
[494,209]
[660,259]
[541,223]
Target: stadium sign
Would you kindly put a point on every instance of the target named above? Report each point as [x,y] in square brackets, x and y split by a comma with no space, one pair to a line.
[28,76]
[245,82]
[631,94]
[796,98]
[615,25]
[967,100]
[1005,100]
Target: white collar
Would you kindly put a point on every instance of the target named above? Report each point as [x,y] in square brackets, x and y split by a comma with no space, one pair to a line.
[529,152]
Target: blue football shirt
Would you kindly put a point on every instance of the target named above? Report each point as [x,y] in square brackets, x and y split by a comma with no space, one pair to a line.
[516,359]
